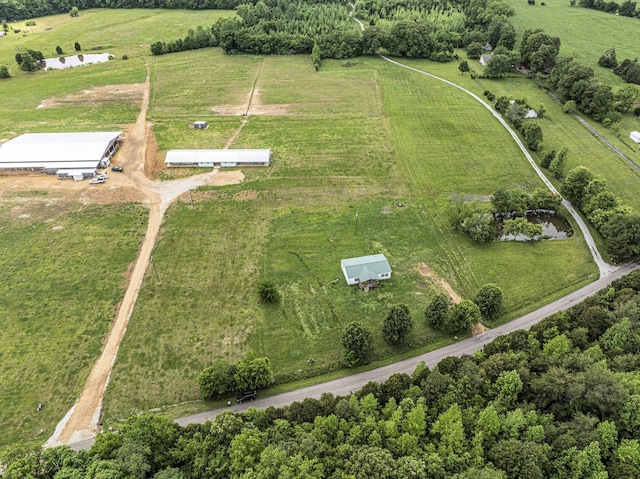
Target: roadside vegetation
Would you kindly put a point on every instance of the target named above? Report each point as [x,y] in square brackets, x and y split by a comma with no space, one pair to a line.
[560,401]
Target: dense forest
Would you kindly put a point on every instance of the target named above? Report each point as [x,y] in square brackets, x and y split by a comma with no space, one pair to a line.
[559,401]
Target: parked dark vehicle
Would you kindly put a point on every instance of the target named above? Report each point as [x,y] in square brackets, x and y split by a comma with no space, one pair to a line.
[119,169]
[246,396]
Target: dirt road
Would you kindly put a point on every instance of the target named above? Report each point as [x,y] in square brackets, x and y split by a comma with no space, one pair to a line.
[82,421]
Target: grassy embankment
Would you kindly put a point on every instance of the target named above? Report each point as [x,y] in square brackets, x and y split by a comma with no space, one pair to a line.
[356,139]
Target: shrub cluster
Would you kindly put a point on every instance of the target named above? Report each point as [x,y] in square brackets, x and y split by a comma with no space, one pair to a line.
[221,378]
[618,223]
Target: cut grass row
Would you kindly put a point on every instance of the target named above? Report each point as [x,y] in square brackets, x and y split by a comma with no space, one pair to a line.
[294,222]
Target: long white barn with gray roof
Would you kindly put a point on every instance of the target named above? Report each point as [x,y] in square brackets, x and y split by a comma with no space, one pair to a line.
[222,158]
[78,153]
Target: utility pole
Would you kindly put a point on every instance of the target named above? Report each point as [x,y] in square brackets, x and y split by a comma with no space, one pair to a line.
[191,198]
[154,269]
[356,231]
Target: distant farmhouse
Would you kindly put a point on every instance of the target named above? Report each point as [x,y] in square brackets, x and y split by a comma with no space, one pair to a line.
[68,155]
[366,271]
[635,136]
[222,158]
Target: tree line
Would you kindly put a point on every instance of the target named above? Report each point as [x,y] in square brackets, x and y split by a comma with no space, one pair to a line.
[619,224]
[559,401]
[12,10]
[627,9]
[286,27]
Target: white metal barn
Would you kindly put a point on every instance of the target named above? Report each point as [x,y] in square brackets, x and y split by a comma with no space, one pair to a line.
[635,136]
[66,154]
[222,158]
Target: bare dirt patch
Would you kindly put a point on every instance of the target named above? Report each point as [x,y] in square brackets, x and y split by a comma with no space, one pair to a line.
[245,195]
[131,93]
[153,163]
[478,328]
[427,272]
[224,178]
[253,106]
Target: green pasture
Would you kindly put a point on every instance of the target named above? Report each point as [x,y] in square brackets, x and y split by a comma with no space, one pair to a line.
[22,96]
[585,33]
[560,130]
[357,137]
[62,270]
[119,32]
[420,143]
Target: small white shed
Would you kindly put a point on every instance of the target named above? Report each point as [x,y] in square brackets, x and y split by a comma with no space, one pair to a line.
[635,136]
[200,125]
[485,58]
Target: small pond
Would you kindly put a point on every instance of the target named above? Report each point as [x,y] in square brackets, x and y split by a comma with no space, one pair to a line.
[75,61]
[554,227]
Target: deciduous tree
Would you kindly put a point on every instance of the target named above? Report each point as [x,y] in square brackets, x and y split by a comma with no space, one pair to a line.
[489,300]
[438,310]
[398,324]
[356,341]
[462,316]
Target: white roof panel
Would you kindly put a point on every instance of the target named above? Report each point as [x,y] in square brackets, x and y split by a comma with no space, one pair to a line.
[40,150]
[218,156]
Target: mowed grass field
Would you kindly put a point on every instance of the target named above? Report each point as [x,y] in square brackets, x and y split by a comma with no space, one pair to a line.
[118,32]
[63,265]
[585,33]
[560,130]
[355,139]
[62,271]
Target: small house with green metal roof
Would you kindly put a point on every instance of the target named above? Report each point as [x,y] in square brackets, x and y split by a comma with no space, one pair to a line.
[366,269]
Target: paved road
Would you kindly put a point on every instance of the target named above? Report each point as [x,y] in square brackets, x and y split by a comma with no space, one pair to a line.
[344,386]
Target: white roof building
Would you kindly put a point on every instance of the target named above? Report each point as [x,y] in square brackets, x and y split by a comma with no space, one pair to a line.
[50,152]
[365,268]
[222,158]
[635,136]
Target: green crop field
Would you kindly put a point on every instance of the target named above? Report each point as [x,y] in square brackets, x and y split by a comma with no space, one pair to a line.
[585,33]
[62,270]
[355,138]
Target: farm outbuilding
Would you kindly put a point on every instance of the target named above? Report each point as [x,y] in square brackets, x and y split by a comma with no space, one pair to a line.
[200,125]
[64,154]
[366,271]
[485,58]
[635,136]
[222,158]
